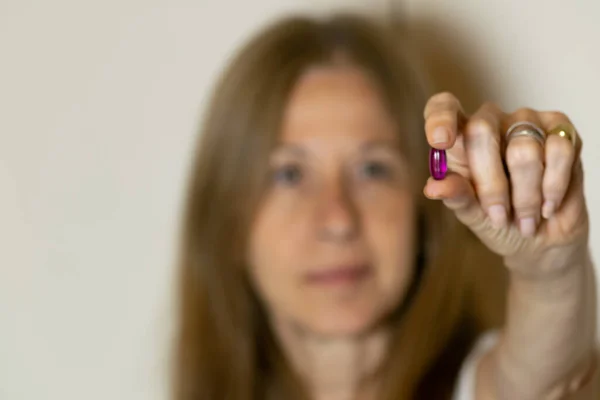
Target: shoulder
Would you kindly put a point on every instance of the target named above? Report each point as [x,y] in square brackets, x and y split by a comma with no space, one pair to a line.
[465,384]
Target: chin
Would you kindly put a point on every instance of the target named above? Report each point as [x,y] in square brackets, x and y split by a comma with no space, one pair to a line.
[345,322]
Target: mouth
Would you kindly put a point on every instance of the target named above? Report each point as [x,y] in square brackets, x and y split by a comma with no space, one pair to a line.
[339,275]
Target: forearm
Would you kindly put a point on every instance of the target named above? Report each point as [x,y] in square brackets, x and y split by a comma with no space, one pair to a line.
[549,337]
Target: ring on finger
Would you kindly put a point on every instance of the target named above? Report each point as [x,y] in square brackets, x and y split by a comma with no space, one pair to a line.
[566,131]
[525,128]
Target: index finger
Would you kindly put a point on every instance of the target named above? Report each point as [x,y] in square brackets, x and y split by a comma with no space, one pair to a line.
[443,117]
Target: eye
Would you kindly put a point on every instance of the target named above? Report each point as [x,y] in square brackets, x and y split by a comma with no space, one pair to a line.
[288,175]
[375,170]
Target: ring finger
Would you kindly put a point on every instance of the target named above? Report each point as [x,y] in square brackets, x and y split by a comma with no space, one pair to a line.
[560,156]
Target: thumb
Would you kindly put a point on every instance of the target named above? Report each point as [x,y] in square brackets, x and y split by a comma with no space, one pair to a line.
[458,195]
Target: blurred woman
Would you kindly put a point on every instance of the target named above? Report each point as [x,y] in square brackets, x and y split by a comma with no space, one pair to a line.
[312,265]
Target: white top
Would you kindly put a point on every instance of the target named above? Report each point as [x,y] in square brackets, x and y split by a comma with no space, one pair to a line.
[465,386]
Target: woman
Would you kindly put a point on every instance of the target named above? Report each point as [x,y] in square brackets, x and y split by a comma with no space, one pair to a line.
[314,268]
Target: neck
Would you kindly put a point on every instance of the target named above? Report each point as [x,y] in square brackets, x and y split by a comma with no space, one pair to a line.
[336,368]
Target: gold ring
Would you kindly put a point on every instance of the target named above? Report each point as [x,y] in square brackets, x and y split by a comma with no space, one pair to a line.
[566,131]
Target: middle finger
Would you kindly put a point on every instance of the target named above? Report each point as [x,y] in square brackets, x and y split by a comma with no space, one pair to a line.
[525,163]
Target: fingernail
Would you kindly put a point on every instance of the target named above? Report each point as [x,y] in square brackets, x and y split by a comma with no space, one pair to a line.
[548,209]
[433,195]
[440,135]
[427,192]
[528,226]
[497,214]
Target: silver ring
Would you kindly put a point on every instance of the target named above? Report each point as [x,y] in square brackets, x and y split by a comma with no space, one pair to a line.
[525,128]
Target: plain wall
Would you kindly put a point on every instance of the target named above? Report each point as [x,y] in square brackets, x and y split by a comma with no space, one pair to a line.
[99,108]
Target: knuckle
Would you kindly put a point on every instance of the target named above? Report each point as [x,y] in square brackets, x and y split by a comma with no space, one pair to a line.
[529,203]
[444,97]
[441,101]
[525,111]
[557,116]
[494,189]
[525,153]
[560,166]
[555,189]
[522,212]
[442,117]
[559,150]
[480,125]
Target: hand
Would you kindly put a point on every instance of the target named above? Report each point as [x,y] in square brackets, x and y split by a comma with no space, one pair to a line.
[524,200]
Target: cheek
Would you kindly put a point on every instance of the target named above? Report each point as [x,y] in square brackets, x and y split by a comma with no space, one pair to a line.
[281,227]
[389,216]
[390,233]
[278,241]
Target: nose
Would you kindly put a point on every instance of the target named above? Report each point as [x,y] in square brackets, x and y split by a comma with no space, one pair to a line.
[338,216]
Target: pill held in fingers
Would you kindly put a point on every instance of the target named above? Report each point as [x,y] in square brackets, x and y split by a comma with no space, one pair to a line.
[438,166]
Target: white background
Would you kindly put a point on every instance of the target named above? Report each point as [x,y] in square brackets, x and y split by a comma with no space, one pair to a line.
[99,107]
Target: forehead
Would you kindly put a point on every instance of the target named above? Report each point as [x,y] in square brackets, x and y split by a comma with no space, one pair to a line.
[338,101]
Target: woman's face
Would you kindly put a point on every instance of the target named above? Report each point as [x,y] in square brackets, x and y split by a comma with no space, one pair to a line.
[331,248]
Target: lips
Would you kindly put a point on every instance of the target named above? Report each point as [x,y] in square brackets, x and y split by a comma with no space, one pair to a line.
[343,274]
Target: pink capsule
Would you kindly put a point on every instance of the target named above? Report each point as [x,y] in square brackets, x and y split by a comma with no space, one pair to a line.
[437,164]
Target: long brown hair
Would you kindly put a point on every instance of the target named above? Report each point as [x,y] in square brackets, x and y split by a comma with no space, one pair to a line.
[224,347]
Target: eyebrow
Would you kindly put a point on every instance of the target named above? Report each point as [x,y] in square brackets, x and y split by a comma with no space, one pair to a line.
[291,148]
[371,145]
[386,144]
